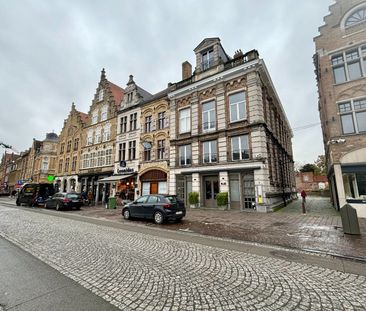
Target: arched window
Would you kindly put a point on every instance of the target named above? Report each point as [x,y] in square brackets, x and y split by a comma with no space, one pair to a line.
[356,17]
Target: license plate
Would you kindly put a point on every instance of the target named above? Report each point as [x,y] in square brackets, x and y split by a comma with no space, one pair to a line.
[179,213]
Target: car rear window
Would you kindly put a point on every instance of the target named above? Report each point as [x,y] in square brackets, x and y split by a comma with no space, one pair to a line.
[171,199]
[73,196]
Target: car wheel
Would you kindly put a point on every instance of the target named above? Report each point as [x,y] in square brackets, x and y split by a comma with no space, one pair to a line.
[126,214]
[17,203]
[158,218]
[58,207]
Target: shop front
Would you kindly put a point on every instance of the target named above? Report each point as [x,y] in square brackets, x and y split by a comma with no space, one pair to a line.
[154,182]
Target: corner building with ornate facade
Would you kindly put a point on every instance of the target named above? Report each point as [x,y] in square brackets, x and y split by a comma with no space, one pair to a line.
[340,66]
[229,132]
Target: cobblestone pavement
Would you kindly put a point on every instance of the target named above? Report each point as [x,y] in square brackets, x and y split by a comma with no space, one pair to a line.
[141,272]
[317,231]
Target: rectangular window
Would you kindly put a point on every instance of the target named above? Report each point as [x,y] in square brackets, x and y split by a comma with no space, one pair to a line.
[355,185]
[98,137]
[122,152]
[67,163]
[162,187]
[347,124]
[74,161]
[89,140]
[237,104]
[208,116]
[161,120]
[123,125]
[239,148]
[104,114]
[133,121]
[68,148]
[207,59]
[209,151]
[347,65]
[60,166]
[108,157]
[107,133]
[161,149]
[132,150]
[95,117]
[185,155]
[147,153]
[185,120]
[62,148]
[76,143]
[361,121]
[353,116]
[148,124]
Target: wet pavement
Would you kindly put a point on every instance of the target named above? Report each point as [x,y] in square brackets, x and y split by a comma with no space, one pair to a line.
[319,230]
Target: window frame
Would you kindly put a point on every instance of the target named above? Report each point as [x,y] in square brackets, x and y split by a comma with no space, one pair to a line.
[211,153]
[208,113]
[181,156]
[187,120]
[237,104]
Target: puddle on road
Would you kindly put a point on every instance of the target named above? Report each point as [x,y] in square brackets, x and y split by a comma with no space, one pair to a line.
[315,228]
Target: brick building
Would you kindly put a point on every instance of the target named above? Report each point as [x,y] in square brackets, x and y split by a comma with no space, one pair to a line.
[340,63]
[229,132]
[69,151]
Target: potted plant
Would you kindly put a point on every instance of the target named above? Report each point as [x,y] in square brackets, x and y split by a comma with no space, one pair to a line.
[222,199]
[193,198]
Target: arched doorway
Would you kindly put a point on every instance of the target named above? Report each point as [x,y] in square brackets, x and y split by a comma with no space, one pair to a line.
[153,182]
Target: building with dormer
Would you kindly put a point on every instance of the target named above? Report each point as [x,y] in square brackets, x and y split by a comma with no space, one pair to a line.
[229,132]
[98,138]
[128,144]
[69,151]
[340,66]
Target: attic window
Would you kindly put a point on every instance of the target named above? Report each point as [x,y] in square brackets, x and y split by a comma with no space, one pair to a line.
[207,59]
[100,95]
[357,17]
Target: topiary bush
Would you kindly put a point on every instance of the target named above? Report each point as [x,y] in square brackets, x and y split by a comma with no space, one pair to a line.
[222,199]
[193,198]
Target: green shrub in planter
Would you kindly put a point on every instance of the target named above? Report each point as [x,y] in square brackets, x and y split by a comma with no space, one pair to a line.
[222,199]
[193,198]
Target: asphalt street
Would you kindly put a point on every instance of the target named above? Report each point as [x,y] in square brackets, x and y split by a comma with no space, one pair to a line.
[141,271]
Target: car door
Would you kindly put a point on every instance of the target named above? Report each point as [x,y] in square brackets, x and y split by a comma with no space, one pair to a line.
[136,207]
[54,200]
[149,206]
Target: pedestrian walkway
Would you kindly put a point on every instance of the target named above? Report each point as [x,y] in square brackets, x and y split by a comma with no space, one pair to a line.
[319,230]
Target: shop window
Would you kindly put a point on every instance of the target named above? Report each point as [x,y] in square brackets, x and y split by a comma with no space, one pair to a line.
[355,185]
[162,187]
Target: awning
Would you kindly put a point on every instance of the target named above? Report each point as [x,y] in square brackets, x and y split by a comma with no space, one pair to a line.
[114,178]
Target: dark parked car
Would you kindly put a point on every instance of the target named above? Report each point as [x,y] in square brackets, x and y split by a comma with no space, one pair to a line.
[158,207]
[63,200]
[34,193]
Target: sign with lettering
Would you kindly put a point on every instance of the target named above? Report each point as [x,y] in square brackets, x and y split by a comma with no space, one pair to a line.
[126,170]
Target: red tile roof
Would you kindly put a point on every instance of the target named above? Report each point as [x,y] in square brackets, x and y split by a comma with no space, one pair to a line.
[117,92]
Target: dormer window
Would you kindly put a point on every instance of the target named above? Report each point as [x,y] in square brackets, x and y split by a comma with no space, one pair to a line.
[100,95]
[207,59]
[129,97]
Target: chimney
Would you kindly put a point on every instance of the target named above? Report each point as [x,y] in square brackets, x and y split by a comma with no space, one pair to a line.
[186,70]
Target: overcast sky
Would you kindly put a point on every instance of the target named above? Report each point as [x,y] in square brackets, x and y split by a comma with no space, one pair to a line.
[52,52]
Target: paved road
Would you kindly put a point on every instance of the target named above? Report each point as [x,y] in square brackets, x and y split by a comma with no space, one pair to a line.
[26,283]
[135,271]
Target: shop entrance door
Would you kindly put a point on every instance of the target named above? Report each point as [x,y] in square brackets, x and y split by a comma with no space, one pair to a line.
[211,189]
[154,189]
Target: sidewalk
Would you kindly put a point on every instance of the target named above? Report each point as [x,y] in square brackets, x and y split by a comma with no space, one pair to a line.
[320,230]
